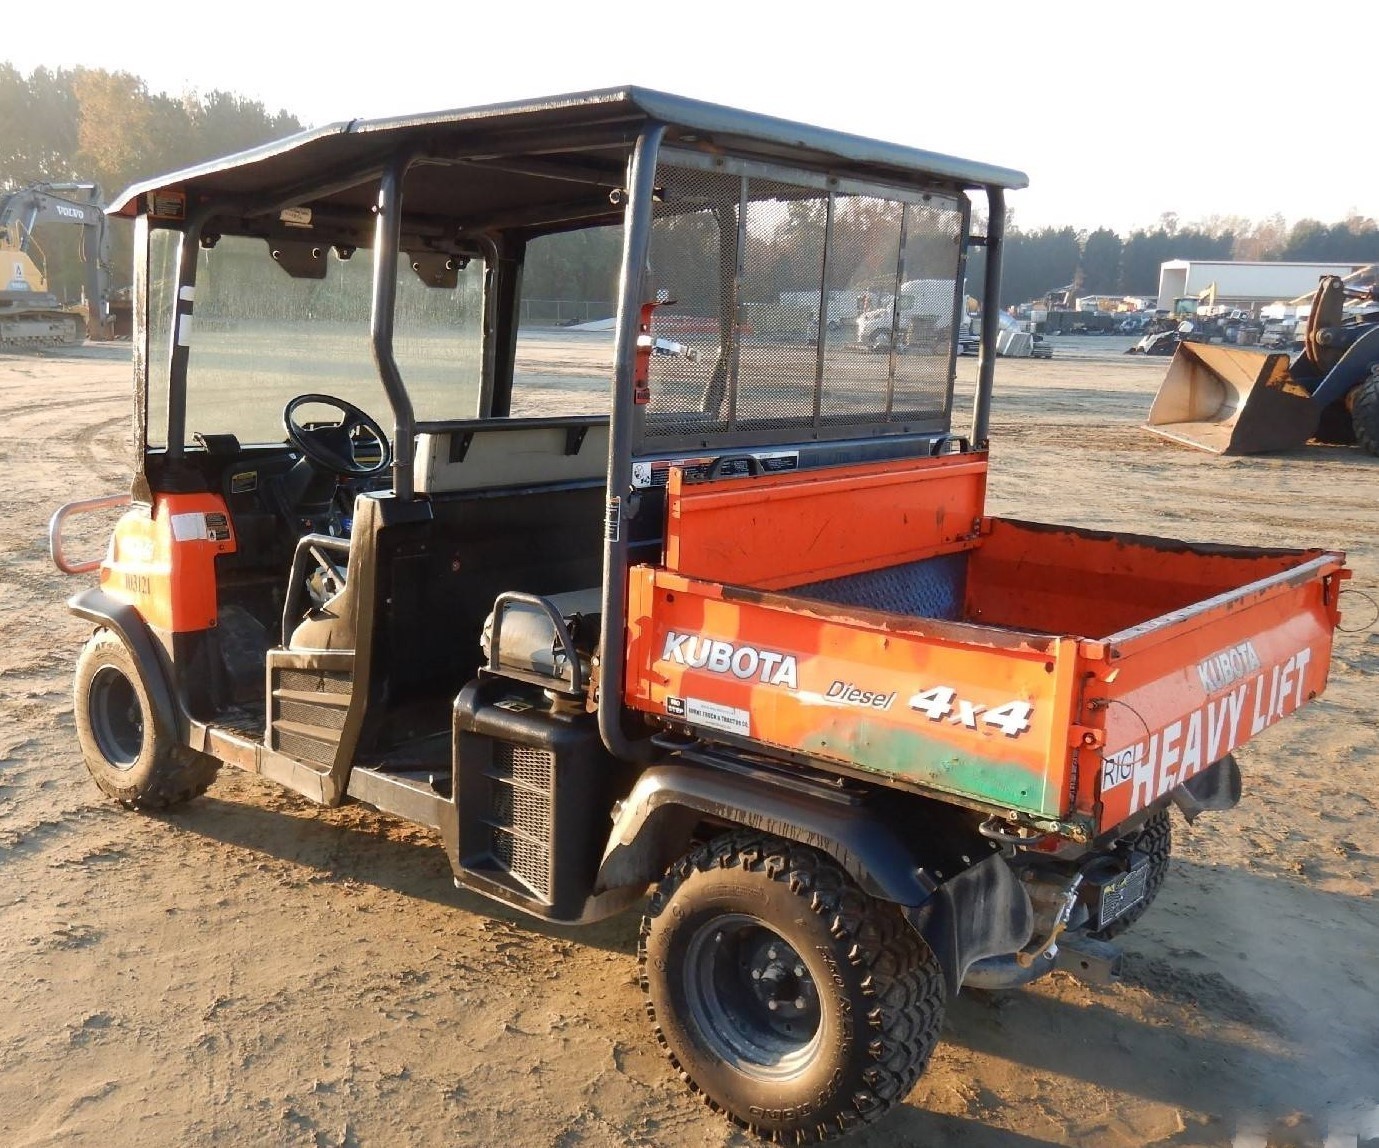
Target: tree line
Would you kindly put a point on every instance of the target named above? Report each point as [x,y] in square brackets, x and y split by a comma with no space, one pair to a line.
[88,124]
[1101,262]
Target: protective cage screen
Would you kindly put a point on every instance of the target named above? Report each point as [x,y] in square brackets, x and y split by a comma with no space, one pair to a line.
[792,312]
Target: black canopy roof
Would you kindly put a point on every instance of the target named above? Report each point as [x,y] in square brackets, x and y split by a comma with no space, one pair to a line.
[535,155]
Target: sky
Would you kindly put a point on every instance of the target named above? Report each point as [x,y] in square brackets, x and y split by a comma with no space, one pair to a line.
[1117,113]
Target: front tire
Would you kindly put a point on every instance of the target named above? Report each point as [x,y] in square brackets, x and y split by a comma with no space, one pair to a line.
[130,756]
[791,1001]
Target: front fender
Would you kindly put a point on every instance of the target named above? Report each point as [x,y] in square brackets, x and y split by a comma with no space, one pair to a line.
[100,609]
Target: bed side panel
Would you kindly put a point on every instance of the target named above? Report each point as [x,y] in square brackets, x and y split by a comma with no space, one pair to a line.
[1173,707]
[987,722]
[1066,580]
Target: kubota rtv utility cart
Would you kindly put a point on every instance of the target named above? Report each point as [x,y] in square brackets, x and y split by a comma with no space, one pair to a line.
[701,597]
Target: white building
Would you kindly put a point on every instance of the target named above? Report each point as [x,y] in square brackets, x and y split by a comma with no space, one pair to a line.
[1243,284]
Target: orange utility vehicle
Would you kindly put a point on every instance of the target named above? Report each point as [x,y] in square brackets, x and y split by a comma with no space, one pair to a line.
[699,602]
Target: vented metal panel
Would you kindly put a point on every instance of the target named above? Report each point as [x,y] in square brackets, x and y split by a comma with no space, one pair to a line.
[314,681]
[800,310]
[326,717]
[925,336]
[863,262]
[778,328]
[930,588]
[520,811]
[294,745]
[693,262]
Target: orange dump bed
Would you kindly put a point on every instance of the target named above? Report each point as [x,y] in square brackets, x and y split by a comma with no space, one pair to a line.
[872,618]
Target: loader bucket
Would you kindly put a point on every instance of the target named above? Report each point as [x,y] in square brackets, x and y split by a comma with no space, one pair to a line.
[1232,401]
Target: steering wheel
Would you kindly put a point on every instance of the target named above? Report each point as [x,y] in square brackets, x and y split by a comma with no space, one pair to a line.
[333,446]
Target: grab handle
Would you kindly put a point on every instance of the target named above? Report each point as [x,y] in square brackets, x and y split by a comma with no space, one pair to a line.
[55,524]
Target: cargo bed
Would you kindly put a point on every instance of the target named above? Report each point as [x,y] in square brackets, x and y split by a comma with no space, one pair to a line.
[871,619]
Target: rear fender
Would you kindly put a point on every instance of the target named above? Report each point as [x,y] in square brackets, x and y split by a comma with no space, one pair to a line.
[954,887]
[983,912]
[100,609]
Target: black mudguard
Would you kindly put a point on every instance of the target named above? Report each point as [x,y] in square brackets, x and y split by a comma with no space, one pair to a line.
[982,912]
[100,609]
[954,887]
[1216,788]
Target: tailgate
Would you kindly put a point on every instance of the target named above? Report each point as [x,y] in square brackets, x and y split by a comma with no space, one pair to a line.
[1170,697]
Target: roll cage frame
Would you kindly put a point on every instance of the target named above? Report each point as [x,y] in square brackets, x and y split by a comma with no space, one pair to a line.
[257,187]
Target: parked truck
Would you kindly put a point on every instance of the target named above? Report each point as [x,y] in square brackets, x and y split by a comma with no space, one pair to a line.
[919,317]
[735,626]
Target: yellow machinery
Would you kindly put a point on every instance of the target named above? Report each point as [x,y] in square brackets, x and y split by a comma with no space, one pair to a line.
[30,315]
[1232,400]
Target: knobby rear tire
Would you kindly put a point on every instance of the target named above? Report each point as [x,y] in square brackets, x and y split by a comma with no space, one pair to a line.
[1364,412]
[1155,840]
[747,910]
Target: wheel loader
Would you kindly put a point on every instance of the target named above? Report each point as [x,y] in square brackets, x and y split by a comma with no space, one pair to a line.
[688,615]
[1232,400]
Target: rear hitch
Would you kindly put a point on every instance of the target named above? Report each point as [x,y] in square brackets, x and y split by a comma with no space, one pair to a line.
[1090,960]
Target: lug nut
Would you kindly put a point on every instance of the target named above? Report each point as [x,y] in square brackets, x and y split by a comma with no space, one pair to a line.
[799,1002]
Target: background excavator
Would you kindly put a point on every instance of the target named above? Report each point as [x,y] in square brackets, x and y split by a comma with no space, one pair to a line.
[30,314]
[1231,400]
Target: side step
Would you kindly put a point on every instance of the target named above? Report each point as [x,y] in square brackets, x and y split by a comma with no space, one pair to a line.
[410,798]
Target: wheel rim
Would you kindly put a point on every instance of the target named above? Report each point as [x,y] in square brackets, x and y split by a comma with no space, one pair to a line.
[117,718]
[752,997]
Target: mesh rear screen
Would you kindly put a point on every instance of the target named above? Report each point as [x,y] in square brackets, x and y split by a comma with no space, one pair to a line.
[795,310]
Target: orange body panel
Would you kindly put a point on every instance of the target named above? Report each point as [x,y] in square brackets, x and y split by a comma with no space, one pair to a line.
[1093,583]
[162,560]
[784,530]
[1084,675]
[1185,694]
[925,709]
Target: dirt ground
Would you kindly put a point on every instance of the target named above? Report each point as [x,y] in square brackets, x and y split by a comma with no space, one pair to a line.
[251,969]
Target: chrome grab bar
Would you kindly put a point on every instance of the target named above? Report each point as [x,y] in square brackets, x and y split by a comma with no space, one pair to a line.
[82,506]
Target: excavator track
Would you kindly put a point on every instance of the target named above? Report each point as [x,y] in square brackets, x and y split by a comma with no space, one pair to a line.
[42,329]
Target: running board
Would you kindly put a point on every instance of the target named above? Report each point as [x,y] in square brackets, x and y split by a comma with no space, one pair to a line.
[234,747]
[409,798]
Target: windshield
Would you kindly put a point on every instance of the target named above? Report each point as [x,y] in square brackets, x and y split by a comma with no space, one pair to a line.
[260,337]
